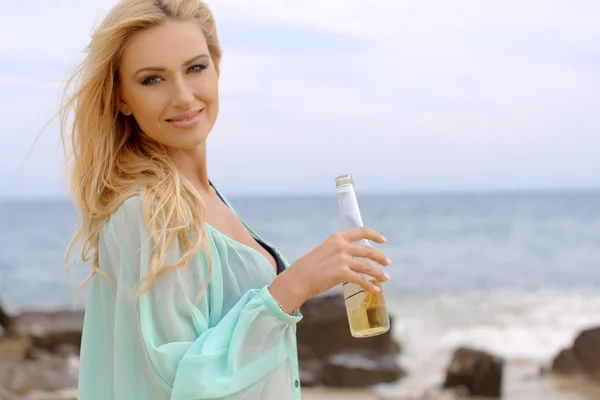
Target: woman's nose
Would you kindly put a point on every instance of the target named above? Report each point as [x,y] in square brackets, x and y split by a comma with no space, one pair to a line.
[182,93]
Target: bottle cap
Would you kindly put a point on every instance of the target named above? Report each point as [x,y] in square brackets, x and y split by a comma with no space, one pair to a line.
[343,180]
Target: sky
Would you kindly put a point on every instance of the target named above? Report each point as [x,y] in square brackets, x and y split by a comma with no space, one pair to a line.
[406,96]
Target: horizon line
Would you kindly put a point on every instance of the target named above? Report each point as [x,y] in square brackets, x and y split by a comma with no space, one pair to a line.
[313,194]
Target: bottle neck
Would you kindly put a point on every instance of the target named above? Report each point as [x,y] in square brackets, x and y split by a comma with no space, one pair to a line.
[348,207]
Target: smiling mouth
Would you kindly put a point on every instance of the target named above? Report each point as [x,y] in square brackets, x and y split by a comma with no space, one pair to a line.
[185,119]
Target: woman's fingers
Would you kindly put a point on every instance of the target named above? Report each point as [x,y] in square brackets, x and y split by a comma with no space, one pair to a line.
[362,251]
[368,268]
[362,281]
[356,234]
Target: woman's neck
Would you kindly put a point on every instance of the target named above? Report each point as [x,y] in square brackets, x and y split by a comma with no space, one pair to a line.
[193,165]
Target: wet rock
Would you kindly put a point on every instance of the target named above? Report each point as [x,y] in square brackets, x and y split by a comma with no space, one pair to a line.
[583,358]
[329,355]
[360,370]
[325,330]
[476,371]
[49,330]
[39,355]
[305,352]
[566,363]
[586,350]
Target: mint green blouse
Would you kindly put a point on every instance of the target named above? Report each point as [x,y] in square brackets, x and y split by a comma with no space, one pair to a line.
[236,343]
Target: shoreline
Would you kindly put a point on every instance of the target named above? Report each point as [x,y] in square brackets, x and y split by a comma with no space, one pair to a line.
[521,382]
[339,394]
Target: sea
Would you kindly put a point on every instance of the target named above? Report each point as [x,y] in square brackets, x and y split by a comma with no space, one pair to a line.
[516,274]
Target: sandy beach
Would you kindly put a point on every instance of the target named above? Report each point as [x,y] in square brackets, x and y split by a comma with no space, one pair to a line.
[338,394]
[535,392]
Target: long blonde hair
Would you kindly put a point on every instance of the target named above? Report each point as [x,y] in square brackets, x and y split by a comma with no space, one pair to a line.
[109,161]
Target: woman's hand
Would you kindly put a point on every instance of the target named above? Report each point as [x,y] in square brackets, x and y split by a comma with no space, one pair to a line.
[335,261]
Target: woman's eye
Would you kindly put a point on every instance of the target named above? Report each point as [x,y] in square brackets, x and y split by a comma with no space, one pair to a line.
[198,68]
[151,80]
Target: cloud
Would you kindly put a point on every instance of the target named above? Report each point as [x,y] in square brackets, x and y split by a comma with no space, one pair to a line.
[430,94]
[406,20]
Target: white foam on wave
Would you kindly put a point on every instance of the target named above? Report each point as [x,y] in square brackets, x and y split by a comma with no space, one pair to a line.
[522,328]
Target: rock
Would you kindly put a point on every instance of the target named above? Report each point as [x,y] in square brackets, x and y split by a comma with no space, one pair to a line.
[360,370]
[478,371]
[311,372]
[583,358]
[305,352]
[325,330]
[14,348]
[46,372]
[5,319]
[586,350]
[566,363]
[329,355]
[49,330]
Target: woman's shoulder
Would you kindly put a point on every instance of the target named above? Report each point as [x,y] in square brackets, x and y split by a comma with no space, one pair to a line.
[131,209]
[127,219]
[130,219]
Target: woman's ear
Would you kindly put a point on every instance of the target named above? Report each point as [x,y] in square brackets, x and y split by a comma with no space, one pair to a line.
[121,104]
[124,108]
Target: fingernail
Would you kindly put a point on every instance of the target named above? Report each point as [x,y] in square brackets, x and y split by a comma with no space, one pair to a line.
[383,239]
[389,262]
[388,277]
[376,288]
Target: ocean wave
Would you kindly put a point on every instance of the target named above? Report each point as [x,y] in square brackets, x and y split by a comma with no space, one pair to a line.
[528,328]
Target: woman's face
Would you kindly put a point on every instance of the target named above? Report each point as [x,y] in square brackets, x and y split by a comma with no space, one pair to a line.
[169,84]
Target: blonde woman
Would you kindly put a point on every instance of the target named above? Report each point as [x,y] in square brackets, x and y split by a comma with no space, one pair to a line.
[185,300]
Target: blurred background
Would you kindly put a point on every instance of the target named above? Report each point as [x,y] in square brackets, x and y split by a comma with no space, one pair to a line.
[471,130]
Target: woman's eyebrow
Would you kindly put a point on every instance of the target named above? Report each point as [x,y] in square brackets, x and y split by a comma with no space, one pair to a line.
[162,69]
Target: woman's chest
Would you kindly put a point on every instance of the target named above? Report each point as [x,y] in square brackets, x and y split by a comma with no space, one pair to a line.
[227,223]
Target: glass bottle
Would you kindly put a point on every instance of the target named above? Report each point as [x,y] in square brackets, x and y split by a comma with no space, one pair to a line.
[367,312]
